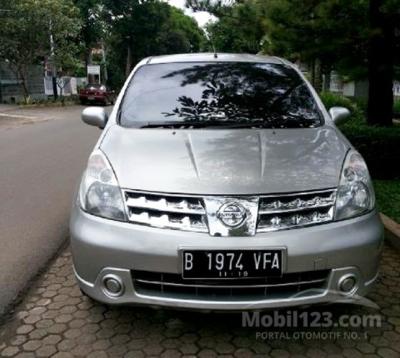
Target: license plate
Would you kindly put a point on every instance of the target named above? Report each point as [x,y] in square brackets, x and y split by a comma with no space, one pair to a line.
[91,98]
[201,264]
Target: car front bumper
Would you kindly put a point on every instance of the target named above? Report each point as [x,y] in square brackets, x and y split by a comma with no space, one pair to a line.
[105,248]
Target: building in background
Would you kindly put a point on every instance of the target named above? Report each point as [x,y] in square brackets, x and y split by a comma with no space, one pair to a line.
[39,84]
[10,85]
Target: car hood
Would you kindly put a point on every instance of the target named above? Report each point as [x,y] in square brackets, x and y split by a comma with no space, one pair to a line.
[225,162]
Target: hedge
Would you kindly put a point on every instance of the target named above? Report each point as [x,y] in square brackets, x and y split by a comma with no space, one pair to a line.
[388,197]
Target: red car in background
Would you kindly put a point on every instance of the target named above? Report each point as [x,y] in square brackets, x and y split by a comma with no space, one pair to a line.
[96,93]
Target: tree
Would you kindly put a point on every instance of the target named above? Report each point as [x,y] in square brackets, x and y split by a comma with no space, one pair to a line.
[384,17]
[91,32]
[31,31]
[240,28]
[180,33]
[358,38]
[319,33]
[141,28]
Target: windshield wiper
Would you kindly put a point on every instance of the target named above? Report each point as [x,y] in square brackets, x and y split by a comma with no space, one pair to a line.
[273,121]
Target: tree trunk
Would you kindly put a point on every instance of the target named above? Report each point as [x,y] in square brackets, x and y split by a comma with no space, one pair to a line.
[380,67]
[21,74]
[326,78]
[312,74]
[128,61]
[55,92]
[318,75]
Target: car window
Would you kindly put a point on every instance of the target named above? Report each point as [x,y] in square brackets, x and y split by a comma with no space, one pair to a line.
[271,94]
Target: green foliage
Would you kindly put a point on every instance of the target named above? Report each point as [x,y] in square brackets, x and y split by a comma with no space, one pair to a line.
[396,108]
[335,32]
[92,29]
[378,145]
[240,29]
[138,29]
[180,34]
[388,197]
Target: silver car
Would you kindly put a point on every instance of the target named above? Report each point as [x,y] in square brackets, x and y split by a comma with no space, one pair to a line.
[220,182]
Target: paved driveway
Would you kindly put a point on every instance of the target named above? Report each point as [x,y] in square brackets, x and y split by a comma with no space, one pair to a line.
[56,320]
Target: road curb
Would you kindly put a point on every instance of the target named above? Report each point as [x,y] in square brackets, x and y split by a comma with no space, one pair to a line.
[392,230]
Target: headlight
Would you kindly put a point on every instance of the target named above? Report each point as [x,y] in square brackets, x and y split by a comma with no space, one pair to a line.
[355,195]
[99,192]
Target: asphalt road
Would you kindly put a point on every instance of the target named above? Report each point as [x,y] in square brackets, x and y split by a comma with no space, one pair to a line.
[40,166]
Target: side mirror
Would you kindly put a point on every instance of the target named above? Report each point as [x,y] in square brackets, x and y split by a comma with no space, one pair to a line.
[339,114]
[95,116]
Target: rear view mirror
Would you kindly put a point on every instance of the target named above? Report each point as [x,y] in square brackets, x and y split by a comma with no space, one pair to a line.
[339,114]
[95,116]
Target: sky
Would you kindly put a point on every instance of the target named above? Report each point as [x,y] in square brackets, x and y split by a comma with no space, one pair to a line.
[201,17]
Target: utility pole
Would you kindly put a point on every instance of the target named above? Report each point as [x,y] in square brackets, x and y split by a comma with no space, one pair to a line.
[52,62]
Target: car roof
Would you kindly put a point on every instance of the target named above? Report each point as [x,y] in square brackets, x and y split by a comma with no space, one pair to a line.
[211,57]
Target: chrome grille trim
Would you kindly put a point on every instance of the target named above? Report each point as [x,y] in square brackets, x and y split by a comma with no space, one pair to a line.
[297,204]
[166,211]
[286,211]
[164,205]
[188,212]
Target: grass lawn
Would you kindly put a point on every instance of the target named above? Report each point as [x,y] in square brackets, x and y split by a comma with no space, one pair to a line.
[388,197]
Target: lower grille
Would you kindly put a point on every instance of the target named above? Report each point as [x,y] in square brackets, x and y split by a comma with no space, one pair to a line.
[173,286]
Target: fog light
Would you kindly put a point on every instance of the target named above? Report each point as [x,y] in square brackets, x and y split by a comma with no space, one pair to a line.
[113,285]
[347,283]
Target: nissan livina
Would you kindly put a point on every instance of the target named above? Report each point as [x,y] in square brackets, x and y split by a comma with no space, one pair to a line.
[221,182]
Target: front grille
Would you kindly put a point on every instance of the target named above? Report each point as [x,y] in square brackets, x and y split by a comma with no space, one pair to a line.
[188,213]
[169,285]
[278,212]
[166,211]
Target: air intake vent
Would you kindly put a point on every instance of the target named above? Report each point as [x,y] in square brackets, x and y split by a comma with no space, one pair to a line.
[173,286]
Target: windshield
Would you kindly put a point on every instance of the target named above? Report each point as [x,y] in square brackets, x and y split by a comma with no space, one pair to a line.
[95,86]
[209,94]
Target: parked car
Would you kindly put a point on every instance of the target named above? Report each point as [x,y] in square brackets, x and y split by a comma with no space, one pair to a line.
[221,182]
[96,93]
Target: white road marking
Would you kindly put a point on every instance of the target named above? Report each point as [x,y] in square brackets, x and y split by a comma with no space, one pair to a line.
[17,116]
